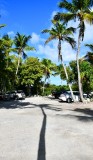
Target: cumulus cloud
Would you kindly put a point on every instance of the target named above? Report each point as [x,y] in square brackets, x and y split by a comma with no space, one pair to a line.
[50,51]
[36,38]
[11,33]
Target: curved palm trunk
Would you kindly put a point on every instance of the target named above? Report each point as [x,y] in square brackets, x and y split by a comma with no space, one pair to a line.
[68,83]
[18,63]
[60,57]
[78,70]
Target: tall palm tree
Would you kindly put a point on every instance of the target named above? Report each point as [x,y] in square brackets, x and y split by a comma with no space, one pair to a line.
[80,10]
[48,67]
[61,33]
[21,46]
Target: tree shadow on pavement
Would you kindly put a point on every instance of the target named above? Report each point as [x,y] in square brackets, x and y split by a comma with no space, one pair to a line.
[85,115]
[88,114]
[13,104]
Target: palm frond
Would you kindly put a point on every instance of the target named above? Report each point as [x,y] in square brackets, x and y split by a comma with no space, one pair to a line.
[28,48]
[90,46]
[71,41]
[52,37]
[88,57]
[45,31]
[68,6]
[24,55]
[65,17]
[89,17]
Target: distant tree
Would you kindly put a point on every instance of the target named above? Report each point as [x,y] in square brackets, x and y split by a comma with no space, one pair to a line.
[48,68]
[21,46]
[31,73]
[86,75]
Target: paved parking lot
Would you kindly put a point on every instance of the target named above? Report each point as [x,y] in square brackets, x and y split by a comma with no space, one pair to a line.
[40,128]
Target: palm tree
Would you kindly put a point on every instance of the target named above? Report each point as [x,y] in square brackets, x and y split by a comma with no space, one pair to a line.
[48,67]
[21,46]
[61,33]
[80,10]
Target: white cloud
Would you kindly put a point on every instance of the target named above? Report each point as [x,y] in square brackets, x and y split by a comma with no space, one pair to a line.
[50,51]
[11,33]
[36,38]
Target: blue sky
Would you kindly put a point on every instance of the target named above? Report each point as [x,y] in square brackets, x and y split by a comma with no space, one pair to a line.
[30,18]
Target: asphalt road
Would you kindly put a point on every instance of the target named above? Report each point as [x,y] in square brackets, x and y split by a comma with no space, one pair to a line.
[44,129]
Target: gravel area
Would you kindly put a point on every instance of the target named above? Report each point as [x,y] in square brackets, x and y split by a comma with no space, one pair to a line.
[42,128]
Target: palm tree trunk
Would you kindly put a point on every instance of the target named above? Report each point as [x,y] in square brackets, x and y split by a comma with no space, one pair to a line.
[67,80]
[18,63]
[60,56]
[44,85]
[78,71]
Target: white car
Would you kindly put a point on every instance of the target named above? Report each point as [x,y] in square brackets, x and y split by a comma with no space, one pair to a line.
[20,95]
[66,96]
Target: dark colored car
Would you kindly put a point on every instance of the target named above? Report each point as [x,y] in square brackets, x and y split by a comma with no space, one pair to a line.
[13,94]
[56,94]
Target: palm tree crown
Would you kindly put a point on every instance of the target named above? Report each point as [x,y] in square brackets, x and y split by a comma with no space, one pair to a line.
[21,46]
[77,9]
[61,33]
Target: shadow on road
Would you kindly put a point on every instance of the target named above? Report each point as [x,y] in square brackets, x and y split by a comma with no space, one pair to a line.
[42,146]
[84,114]
[88,114]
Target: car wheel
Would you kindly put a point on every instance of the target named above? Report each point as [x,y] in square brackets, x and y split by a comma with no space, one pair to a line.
[69,100]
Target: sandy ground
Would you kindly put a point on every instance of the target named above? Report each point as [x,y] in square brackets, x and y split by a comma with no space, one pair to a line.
[39,128]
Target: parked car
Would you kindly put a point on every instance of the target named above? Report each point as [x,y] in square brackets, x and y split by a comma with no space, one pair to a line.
[20,95]
[66,96]
[13,94]
[56,94]
[7,96]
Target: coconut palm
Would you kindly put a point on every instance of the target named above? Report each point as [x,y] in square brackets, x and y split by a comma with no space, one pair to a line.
[61,33]
[21,46]
[48,67]
[80,10]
